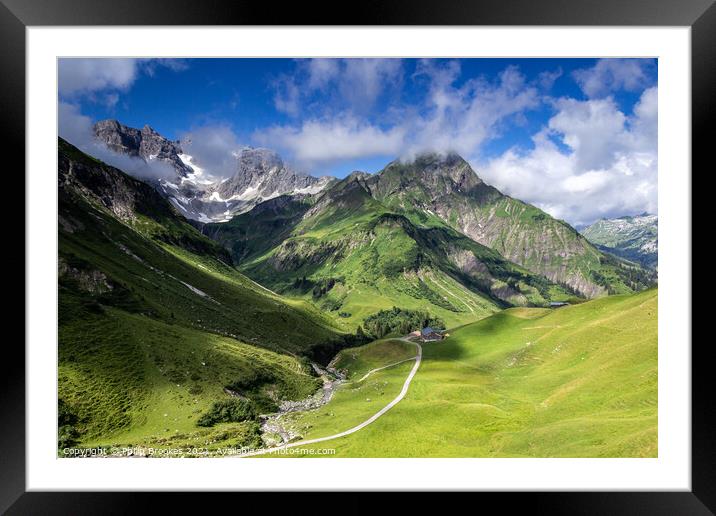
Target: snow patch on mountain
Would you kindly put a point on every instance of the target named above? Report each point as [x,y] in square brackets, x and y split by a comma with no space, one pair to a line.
[260,174]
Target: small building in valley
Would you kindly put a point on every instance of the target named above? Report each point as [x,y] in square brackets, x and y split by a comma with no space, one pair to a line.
[428,334]
[557,304]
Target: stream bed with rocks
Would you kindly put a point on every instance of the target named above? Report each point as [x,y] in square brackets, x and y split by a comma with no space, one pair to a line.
[273,431]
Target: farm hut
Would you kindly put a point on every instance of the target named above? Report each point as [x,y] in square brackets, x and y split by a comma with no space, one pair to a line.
[428,334]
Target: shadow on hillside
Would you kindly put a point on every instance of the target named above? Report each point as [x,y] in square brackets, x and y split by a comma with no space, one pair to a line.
[456,348]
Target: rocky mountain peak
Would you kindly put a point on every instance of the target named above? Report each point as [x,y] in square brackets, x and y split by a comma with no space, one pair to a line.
[450,165]
[435,172]
[146,144]
[439,159]
[358,175]
[635,238]
[262,173]
[253,158]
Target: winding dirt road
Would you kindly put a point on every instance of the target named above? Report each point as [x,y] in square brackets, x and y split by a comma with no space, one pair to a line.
[365,423]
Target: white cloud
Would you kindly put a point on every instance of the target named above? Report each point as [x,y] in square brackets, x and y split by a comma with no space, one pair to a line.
[322,72]
[610,75]
[287,96]
[76,128]
[362,81]
[463,118]
[353,85]
[87,76]
[450,118]
[609,170]
[587,182]
[593,129]
[213,148]
[319,142]
[79,75]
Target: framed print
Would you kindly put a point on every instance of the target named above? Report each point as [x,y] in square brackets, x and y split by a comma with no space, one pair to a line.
[424,257]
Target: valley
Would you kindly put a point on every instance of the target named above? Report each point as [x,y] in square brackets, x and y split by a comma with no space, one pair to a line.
[578,381]
[284,324]
[156,326]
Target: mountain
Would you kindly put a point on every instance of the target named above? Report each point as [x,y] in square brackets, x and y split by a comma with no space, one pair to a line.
[197,193]
[177,337]
[428,232]
[445,187]
[156,325]
[261,174]
[354,256]
[634,238]
[145,144]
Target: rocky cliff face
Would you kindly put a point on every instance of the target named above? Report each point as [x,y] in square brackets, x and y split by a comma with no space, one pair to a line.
[262,172]
[145,143]
[84,179]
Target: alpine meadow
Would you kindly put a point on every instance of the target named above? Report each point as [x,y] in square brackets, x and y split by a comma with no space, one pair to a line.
[346,258]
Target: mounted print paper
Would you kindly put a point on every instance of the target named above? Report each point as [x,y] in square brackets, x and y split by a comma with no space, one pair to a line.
[345,258]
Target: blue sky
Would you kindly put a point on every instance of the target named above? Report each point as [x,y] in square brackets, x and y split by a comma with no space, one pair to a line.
[574,126]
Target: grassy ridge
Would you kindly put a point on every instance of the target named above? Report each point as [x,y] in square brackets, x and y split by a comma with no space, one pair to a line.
[180,287]
[579,381]
[154,323]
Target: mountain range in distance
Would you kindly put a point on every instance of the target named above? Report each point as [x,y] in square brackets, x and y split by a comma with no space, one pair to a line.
[633,238]
[429,227]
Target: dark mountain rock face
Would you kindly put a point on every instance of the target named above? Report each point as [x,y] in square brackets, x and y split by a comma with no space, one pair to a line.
[434,172]
[146,144]
[126,198]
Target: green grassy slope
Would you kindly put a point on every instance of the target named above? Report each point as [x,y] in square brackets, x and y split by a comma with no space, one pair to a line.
[144,299]
[578,381]
[253,233]
[353,256]
[134,380]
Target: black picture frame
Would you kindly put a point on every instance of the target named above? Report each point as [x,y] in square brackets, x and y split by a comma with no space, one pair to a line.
[17,15]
